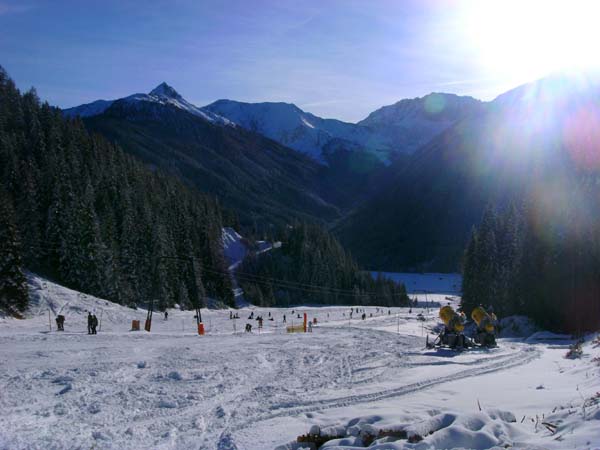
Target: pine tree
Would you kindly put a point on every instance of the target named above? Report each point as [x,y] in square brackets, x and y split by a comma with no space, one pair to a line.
[13,283]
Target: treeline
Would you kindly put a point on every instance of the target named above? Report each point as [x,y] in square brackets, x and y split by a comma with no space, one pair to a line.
[77,209]
[540,259]
[311,267]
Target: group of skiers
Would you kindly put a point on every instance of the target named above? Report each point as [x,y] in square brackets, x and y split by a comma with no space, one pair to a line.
[92,322]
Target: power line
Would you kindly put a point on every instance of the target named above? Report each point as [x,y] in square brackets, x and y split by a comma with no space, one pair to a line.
[248,277]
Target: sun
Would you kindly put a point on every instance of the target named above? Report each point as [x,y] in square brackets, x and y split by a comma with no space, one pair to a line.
[527,39]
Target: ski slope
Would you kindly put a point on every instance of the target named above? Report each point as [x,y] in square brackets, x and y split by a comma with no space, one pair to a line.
[173,389]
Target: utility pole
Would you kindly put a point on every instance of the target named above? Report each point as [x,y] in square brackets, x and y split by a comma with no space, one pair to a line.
[148,324]
[196,297]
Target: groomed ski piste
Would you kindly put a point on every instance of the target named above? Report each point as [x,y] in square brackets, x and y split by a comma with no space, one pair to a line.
[358,381]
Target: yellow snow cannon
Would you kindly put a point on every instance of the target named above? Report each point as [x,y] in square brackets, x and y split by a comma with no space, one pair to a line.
[452,335]
[483,320]
[485,334]
[452,320]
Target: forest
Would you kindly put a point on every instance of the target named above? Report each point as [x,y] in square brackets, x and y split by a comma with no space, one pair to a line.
[539,260]
[309,260]
[79,210]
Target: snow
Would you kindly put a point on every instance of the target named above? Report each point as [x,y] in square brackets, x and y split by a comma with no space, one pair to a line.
[168,96]
[411,123]
[234,248]
[172,389]
[441,283]
[300,130]
[163,94]
[88,109]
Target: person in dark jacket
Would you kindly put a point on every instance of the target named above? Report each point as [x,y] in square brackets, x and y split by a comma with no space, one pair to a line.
[60,322]
[94,323]
[90,320]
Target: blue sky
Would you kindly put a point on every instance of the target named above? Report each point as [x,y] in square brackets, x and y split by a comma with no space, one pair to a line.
[339,59]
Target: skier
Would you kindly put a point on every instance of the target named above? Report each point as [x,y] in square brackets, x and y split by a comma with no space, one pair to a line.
[284,318]
[230,315]
[94,323]
[60,322]
[90,320]
[310,327]
[248,328]
[364,316]
[166,315]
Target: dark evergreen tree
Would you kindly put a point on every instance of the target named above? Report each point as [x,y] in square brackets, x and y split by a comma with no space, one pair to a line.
[13,283]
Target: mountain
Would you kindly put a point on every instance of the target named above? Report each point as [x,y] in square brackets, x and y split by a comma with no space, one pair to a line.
[265,183]
[412,123]
[163,94]
[300,130]
[88,109]
[530,144]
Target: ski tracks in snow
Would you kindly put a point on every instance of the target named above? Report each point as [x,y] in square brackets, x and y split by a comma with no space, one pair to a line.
[162,391]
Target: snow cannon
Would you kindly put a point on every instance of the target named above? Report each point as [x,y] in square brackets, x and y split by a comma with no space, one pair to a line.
[485,335]
[483,320]
[452,334]
[453,321]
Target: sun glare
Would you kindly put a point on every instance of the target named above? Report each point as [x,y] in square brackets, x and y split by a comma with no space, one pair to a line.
[523,40]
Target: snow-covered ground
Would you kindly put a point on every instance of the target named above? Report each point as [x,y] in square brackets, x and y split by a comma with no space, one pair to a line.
[441,283]
[171,388]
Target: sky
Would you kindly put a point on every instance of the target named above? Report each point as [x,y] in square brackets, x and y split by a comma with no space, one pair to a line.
[334,58]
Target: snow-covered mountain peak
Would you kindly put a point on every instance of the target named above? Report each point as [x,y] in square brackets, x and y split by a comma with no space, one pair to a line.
[411,123]
[298,129]
[163,94]
[164,90]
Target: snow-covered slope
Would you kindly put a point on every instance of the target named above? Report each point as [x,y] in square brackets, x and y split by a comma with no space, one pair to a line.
[300,130]
[173,389]
[440,283]
[235,247]
[88,109]
[163,94]
[412,123]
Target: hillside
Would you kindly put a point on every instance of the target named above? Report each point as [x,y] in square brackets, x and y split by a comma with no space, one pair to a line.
[411,123]
[264,183]
[300,130]
[422,220]
[79,210]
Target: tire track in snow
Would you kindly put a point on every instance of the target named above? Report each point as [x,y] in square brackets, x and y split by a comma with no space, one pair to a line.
[524,356]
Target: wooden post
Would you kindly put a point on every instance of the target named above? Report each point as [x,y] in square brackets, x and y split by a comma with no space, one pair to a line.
[305,320]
